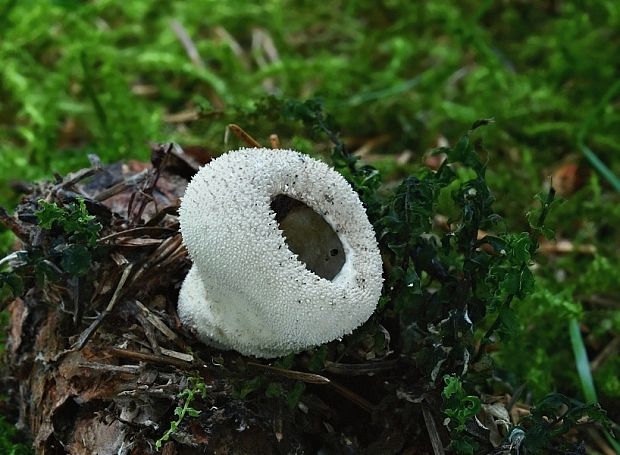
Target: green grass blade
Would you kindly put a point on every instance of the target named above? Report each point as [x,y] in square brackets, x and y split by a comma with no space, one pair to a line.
[613,442]
[592,158]
[585,374]
[601,167]
[582,363]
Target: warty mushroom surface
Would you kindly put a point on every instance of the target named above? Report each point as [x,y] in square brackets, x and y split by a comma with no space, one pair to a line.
[266,278]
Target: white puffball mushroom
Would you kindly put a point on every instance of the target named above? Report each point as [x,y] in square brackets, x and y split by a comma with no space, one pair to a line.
[284,257]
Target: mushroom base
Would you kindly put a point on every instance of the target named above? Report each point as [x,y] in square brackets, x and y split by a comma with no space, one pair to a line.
[200,313]
[195,310]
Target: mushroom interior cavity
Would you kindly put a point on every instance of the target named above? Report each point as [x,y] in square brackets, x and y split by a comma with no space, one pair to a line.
[309,236]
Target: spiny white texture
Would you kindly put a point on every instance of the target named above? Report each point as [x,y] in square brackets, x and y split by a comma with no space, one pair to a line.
[246,290]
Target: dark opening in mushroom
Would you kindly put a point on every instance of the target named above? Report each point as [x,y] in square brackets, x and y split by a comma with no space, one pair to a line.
[309,236]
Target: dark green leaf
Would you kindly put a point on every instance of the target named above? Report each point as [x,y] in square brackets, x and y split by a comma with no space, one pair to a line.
[317,360]
[76,260]
[193,412]
[49,213]
[274,390]
[294,395]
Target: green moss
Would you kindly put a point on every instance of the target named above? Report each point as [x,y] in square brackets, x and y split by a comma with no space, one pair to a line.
[8,435]
[607,379]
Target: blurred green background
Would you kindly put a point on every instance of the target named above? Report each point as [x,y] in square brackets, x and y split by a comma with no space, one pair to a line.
[400,77]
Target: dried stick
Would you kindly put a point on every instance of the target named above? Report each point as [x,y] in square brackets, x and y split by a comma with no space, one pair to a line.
[92,328]
[312,378]
[275,141]
[149,358]
[245,137]
[433,434]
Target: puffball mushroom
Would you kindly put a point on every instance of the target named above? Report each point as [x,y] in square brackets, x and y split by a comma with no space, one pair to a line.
[284,257]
